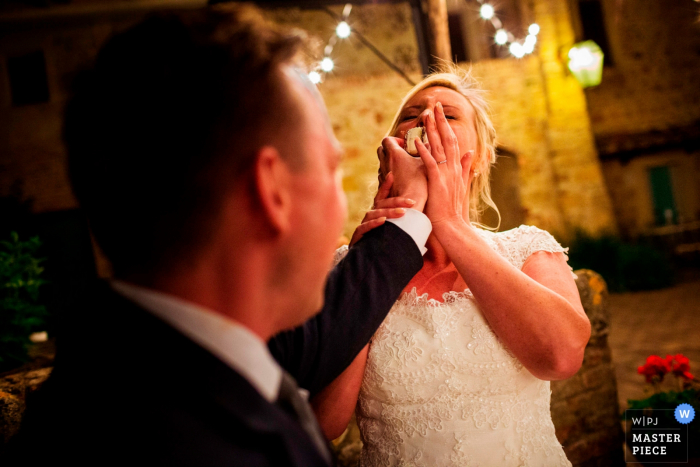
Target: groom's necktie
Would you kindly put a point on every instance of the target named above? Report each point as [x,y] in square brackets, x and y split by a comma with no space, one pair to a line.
[291,401]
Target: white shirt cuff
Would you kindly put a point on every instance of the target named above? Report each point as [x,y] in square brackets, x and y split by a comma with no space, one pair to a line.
[417,225]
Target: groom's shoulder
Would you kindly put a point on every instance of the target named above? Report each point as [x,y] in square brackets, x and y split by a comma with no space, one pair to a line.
[126,387]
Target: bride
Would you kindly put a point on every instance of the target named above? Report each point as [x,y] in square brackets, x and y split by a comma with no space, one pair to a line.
[458,374]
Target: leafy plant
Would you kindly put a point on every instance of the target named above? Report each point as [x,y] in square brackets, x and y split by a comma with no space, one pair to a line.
[20,310]
[624,266]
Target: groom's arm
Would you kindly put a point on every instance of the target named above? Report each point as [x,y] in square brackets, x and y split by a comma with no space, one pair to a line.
[359,293]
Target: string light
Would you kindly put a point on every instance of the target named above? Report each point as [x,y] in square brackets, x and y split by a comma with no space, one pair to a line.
[315,77]
[517,48]
[343,30]
[501,37]
[486,11]
[327,64]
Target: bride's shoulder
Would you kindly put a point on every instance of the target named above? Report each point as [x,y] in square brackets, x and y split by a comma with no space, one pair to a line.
[521,242]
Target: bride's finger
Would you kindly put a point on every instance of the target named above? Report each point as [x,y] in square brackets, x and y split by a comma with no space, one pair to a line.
[467,160]
[447,136]
[436,148]
[384,189]
[397,202]
[431,166]
[389,213]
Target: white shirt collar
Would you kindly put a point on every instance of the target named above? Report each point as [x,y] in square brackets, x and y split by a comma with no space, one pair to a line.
[231,342]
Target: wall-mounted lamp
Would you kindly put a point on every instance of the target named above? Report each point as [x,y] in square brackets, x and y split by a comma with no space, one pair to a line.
[586,63]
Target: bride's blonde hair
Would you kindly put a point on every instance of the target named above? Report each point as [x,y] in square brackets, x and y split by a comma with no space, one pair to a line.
[452,77]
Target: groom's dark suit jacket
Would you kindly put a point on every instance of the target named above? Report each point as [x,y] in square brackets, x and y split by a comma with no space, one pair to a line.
[128,389]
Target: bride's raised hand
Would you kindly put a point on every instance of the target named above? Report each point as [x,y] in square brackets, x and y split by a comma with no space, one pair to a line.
[445,166]
[384,208]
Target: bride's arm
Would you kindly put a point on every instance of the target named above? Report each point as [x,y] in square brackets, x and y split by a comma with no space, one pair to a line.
[535,311]
[335,404]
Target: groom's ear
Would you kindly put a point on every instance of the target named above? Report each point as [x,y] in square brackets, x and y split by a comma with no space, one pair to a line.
[272,179]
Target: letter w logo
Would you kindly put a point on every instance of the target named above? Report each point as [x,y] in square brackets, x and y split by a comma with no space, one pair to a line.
[684,413]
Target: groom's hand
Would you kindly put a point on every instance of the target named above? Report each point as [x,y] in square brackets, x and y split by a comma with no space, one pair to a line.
[384,208]
[410,180]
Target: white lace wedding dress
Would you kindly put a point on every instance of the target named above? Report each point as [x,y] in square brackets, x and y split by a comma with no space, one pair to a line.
[440,389]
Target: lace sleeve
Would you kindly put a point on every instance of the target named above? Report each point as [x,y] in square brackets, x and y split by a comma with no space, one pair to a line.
[526,240]
[339,255]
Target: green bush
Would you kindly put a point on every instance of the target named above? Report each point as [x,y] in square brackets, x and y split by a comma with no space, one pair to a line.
[20,310]
[624,266]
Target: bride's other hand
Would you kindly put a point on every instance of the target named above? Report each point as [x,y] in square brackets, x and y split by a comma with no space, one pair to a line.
[445,167]
[409,172]
[384,208]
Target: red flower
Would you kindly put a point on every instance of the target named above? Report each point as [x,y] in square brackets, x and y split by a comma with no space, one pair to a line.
[654,369]
[680,366]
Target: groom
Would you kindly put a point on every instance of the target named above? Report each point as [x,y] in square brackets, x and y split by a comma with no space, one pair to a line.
[209,173]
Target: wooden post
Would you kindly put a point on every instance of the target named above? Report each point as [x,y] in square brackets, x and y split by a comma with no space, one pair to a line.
[439,36]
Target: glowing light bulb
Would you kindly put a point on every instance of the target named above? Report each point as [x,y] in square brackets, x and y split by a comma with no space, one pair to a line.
[343,30]
[327,64]
[534,29]
[528,47]
[517,49]
[581,57]
[315,77]
[486,11]
[531,40]
[501,37]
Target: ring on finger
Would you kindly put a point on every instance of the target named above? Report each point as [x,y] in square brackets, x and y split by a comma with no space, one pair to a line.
[442,162]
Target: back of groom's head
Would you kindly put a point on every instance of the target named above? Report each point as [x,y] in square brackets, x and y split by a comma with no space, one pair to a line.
[168,118]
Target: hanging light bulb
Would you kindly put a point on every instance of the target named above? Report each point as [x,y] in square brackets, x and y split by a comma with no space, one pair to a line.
[315,77]
[327,64]
[531,39]
[486,11]
[517,49]
[534,29]
[501,37]
[528,47]
[586,63]
[581,57]
[343,30]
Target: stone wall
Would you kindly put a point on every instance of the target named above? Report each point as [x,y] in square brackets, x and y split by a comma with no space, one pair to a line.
[631,192]
[646,111]
[32,155]
[653,83]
